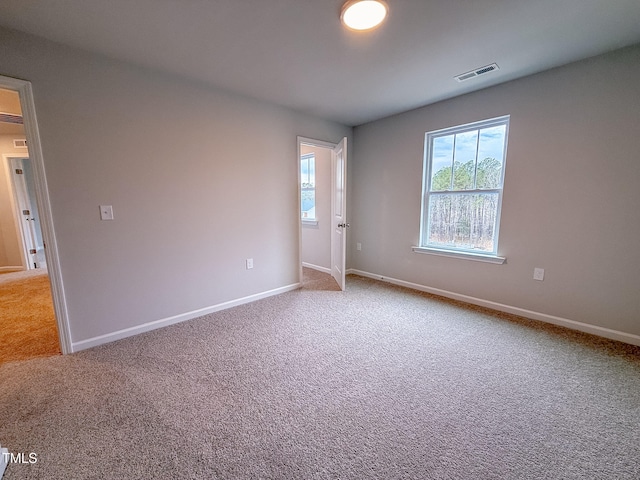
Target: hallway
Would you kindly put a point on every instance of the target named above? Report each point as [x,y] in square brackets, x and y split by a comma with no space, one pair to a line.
[27,321]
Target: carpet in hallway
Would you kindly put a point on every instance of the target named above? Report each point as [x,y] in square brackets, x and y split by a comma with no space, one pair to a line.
[27,321]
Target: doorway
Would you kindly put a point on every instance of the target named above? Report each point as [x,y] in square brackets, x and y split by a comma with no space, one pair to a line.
[29,263]
[322,201]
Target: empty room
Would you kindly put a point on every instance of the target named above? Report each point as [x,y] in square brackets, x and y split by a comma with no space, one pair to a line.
[284,240]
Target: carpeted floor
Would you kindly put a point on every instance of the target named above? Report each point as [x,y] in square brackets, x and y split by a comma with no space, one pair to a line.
[375,382]
[27,321]
[315,280]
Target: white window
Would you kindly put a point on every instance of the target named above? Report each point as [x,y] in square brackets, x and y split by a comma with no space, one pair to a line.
[308,186]
[462,188]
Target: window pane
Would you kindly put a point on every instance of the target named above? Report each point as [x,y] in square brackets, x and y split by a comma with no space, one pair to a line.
[463,221]
[442,158]
[464,166]
[459,162]
[308,185]
[312,172]
[304,171]
[308,204]
[491,156]
[308,171]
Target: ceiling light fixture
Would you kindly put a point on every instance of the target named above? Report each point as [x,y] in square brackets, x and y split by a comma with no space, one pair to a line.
[363,14]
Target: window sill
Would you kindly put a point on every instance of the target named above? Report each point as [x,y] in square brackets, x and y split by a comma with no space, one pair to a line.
[309,222]
[464,255]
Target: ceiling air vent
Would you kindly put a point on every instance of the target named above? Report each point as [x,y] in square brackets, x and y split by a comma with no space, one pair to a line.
[19,143]
[478,71]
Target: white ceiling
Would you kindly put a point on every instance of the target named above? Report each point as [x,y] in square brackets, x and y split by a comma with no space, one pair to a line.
[296,54]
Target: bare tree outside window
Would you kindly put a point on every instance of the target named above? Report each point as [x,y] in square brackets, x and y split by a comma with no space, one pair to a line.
[308,186]
[463,180]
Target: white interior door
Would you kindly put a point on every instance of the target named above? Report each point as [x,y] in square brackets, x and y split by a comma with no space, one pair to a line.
[339,212]
[27,212]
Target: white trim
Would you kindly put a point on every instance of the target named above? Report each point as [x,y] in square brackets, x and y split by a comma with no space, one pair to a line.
[311,223]
[543,317]
[165,322]
[16,268]
[478,257]
[312,142]
[44,206]
[317,267]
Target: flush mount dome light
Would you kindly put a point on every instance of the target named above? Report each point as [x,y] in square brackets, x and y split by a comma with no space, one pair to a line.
[363,14]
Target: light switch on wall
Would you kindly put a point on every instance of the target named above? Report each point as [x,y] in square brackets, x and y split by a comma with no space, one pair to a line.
[538,274]
[106,212]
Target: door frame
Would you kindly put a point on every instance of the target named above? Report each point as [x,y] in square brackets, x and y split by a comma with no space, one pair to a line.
[43,202]
[313,143]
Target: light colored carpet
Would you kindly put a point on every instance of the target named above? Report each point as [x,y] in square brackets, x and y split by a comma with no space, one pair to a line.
[376,382]
[316,280]
[27,321]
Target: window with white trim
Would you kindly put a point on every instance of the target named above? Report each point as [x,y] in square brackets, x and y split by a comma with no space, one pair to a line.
[462,188]
[308,186]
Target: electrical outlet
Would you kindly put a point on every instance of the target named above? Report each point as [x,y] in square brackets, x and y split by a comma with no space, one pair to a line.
[358,246]
[249,263]
[538,274]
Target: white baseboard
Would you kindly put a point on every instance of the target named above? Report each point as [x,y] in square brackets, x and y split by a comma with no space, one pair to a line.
[165,322]
[18,268]
[543,317]
[317,267]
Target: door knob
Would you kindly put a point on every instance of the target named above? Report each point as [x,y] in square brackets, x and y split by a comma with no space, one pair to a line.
[343,225]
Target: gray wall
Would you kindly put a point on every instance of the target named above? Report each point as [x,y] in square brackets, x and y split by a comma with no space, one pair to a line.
[571,197]
[199,181]
[316,239]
